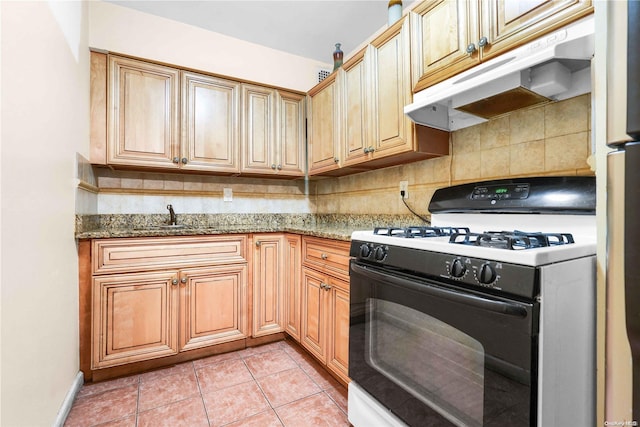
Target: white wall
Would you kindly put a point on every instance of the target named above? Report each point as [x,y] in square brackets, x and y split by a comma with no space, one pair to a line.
[122,30]
[45,121]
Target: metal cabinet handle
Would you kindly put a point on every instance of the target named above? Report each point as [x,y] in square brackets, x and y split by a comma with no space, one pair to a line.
[183,280]
[176,160]
[471,48]
[273,166]
[279,167]
[327,287]
[258,243]
[174,282]
[324,256]
[335,159]
[483,42]
[184,160]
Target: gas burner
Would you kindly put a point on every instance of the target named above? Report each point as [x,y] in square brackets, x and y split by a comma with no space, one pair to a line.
[515,240]
[419,231]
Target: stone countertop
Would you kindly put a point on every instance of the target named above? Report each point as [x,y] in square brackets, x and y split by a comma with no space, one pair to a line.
[330,226]
[337,232]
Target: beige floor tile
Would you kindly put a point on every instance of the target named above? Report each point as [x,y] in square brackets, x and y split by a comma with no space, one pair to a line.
[316,410]
[288,386]
[186,413]
[235,403]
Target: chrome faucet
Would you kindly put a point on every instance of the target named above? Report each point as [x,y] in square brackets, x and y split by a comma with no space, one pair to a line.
[172,214]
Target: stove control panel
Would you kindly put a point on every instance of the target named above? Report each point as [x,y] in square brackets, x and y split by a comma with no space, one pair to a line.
[468,270]
[500,192]
[373,252]
[494,276]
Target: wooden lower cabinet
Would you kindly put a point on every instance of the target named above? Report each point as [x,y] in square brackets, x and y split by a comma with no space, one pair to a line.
[135,317]
[292,285]
[212,306]
[325,320]
[149,315]
[268,284]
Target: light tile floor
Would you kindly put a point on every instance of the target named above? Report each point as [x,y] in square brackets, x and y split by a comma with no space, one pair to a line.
[276,384]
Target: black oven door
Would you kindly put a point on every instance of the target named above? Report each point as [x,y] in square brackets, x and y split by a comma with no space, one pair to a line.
[438,355]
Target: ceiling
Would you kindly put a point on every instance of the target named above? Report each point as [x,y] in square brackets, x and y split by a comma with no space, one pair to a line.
[307,28]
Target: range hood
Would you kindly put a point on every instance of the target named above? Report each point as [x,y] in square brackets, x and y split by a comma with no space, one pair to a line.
[552,68]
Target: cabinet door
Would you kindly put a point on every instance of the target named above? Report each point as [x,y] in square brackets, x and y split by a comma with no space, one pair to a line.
[314,313]
[391,91]
[290,136]
[213,304]
[210,124]
[258,129]
[292,281]
[338,347]
[357,136]
[511,23]
[324,126]
[268,284]
[441,30]
[134,317]
[143,127]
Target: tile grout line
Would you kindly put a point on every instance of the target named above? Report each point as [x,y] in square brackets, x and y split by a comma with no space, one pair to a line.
[206,412]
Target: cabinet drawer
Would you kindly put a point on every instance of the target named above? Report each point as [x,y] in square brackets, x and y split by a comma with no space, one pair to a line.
[144,254]
[327,256]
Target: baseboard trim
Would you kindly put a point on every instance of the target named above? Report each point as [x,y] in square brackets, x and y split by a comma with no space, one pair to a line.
[63,413]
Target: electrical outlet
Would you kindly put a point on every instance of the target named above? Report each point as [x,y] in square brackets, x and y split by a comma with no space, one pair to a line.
[404,186]
[227,194]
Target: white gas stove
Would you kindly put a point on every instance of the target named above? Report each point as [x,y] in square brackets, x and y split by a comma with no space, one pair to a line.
[508,269]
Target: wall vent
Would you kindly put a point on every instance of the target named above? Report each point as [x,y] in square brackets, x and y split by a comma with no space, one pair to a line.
[323,74]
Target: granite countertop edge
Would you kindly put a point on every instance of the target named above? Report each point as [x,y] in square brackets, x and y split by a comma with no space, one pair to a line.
[330,232]
[331,226]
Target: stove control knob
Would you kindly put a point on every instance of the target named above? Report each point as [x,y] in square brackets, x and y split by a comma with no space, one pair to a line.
[457,268]
[379,253]
[365,251]
[486,274]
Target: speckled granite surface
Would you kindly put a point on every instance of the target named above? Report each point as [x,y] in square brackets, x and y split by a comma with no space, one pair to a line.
[331,226]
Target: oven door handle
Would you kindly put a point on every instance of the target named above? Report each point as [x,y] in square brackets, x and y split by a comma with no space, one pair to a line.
[484,303]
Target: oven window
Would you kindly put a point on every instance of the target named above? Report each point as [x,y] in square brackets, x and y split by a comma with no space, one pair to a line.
[433,361]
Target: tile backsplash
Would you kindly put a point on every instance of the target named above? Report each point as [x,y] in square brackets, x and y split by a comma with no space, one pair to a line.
[553,139]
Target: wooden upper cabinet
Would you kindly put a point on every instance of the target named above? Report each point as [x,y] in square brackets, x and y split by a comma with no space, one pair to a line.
[357,129]
[324,138]
[441,31]
[210,117]
[451,36]
[143,110]
[290,134]
[273,131]
[258,128]
[511,23]
[391,91]
[146,115]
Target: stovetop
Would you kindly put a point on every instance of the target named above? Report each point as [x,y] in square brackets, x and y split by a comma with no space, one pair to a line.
[524,239]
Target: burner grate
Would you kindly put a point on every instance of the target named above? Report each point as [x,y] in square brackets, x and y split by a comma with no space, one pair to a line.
[514,240]
[419,231]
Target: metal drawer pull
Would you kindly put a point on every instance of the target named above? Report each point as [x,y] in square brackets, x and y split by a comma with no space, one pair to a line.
[324,256]
[174,282]
[183,280]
